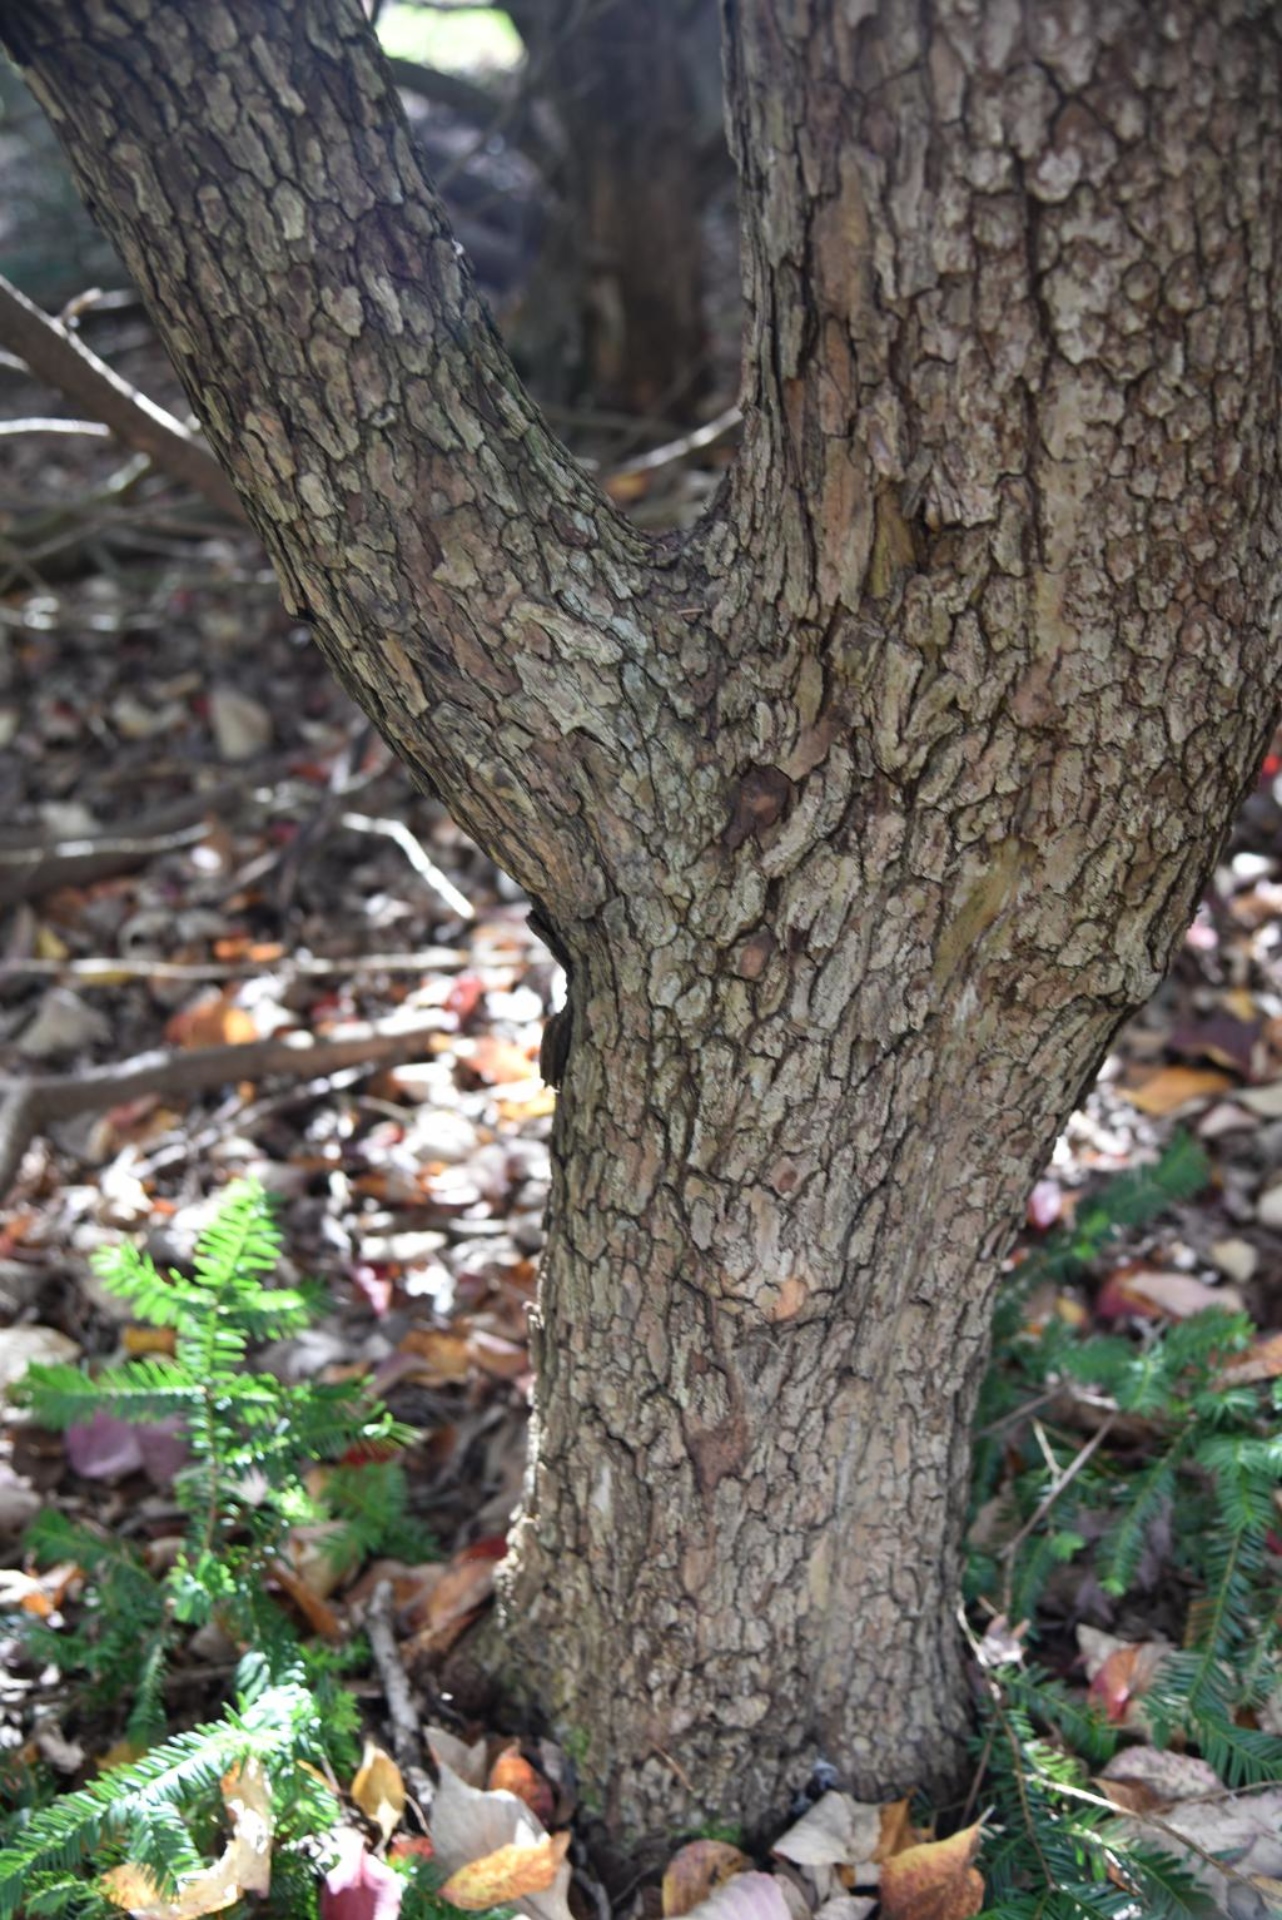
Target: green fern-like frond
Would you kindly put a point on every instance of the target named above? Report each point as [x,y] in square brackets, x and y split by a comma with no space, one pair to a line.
[253,1440]
[134,1802]
[241,1243]
[152,1388]
[1147,1498]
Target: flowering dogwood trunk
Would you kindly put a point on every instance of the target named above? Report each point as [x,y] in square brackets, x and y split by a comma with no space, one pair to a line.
[863,814]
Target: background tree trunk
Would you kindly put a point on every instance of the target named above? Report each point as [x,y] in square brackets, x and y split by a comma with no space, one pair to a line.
[628,82]
[863,815]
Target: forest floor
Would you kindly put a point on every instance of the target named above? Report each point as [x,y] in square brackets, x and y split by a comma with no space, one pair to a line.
[206,846]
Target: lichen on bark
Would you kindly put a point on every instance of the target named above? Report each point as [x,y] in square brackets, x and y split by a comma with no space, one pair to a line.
[863,814]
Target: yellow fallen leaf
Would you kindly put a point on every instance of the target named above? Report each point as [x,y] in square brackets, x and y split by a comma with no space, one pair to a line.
[1171,1088]
[244,1866]
[507,1874]
[934,1881]
[379,1790]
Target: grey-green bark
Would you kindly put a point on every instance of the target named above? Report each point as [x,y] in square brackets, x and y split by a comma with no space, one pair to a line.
[864,813]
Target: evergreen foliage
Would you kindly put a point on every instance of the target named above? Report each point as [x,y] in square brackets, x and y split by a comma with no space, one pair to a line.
[254,1445]
[1191,1508]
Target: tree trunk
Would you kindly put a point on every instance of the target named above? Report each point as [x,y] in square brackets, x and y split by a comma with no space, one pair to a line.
[626,79]
[864,813]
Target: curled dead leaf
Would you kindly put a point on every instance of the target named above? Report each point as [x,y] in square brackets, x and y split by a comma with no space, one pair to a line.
[745,1896]
[513,1773]
[935,1880]
[466,1763]
[837,1831]
[467,1824]
[897,1831]
[1261,1362]
[1171,1088]
[1122,1679]
[695,1870]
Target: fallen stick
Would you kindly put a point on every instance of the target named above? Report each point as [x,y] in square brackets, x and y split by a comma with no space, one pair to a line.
[30,867]
[408,1745]
[108,972]
[57,357]
[28,1105]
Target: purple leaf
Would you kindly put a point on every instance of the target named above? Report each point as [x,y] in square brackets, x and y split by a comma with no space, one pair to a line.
[106,1448]
[359,1886]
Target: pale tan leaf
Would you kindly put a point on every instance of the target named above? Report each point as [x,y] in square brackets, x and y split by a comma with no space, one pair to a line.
[1177,1295]
[1265,1102]
[22,1347]
[467,1763]
[1169,1775]
[838,1831]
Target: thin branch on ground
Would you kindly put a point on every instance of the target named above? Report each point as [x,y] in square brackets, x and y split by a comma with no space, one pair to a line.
[87,429]
[407,1729]
[681,449]
[56,357]
[108,972]
[397,830]
[39,865]
[27,1106]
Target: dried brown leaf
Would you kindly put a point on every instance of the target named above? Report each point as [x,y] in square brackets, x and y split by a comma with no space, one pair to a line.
[509,1873]
[935,1880]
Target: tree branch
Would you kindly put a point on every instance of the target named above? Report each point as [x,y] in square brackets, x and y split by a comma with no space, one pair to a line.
[56,357]
[465,578]
[485,108]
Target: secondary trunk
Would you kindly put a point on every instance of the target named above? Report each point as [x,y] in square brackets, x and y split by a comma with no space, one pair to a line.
[863,814]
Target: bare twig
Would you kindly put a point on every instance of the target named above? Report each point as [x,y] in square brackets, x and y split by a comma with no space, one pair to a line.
[88,429]
[407,1728]
[106,972]
[413,851]
[28,1105]
[677,450]
[55,356]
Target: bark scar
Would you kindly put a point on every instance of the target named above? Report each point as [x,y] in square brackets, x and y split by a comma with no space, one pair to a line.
[762,796]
